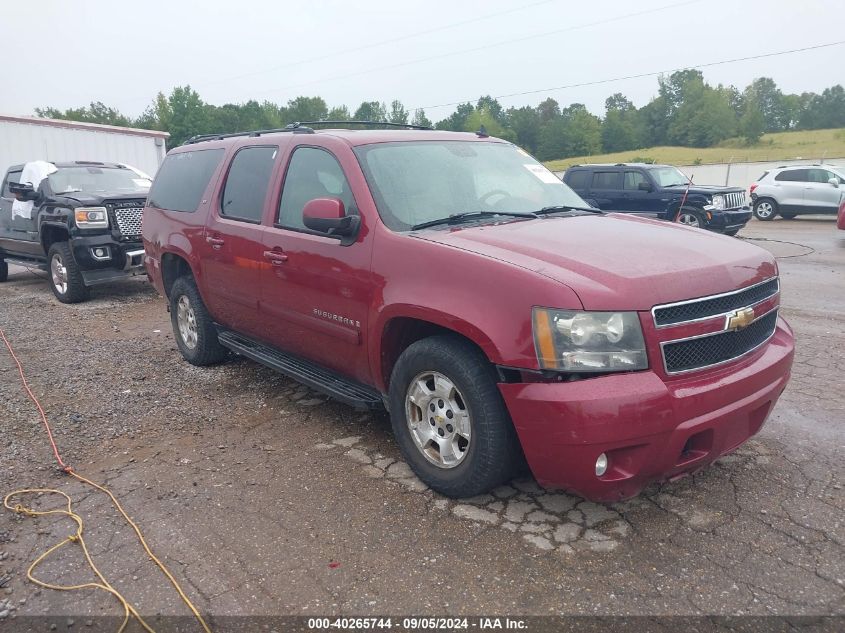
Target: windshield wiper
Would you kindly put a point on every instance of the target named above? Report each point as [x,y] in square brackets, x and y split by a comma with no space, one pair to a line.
[566,207]
[457,218]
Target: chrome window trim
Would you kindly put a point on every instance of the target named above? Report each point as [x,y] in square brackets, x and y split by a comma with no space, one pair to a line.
[710,334]
[708,298]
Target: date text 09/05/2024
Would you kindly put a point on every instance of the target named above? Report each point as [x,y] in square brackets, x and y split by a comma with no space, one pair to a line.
[417,623]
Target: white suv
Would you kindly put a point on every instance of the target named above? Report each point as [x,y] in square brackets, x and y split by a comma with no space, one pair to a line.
[796,190]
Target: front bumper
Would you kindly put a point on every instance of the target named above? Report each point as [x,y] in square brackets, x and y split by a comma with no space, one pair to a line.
[120,259]
[649,428]
[730,220]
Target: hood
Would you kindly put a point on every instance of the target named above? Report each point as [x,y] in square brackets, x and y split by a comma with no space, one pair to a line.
[618,262]
[85,198]
[705,189]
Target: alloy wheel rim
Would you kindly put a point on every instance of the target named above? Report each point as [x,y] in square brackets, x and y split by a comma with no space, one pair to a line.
[688,219]
[186,319]
[58,272]
[764,209]
[438,419]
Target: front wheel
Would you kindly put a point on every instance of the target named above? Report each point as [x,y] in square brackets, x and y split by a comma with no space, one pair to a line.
[193,327]
[691,217]
[449,418]
[65,277]
[765,209]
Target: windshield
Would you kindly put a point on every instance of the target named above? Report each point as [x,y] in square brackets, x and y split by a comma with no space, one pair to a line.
[668,176]
[96,179]
[420,181]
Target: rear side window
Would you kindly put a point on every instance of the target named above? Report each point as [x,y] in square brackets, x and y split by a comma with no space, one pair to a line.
[312,173]
[607,180]
[793,175]
[765,173]
[577,179]
[13,176]
[247,182]
[183,178]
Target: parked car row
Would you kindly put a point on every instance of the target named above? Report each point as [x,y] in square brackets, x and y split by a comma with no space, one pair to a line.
[453,281]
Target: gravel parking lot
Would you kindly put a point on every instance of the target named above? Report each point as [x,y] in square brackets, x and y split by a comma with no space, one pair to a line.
[265,498]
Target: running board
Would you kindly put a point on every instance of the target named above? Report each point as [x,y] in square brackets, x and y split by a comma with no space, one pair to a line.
[338,387]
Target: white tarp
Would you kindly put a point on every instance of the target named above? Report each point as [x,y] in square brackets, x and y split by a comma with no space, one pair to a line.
[33,173]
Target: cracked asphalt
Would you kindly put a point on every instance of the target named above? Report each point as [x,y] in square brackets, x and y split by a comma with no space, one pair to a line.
[265,498]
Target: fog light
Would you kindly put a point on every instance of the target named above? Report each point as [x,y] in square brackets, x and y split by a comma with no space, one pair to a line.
[101,253]
[601,465]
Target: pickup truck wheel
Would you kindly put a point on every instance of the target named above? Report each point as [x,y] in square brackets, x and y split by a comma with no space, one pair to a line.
[65,278]
[4,271]
[449,419]
[691,217]
[765,209]
[193,327]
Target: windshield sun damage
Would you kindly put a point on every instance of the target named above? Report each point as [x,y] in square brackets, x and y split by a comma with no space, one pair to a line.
[668,176]
[421,181]
[95,179]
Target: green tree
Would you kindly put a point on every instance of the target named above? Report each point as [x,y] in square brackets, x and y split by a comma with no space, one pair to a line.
[770,101]
[492,107]
[339,113]
[704,118]
[371,111]
[457,120]
[826,110]
[525,123]
[398,113]
[306,109]
[548,110]
[183,114]
[485,117]
[96,112]
[421,119]
[752,124]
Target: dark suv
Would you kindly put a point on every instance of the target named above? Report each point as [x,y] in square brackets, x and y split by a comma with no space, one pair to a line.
[81,221]
[660,191]
[455,281]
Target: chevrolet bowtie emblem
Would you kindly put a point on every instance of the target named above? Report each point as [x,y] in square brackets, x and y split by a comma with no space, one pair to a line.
[739,319]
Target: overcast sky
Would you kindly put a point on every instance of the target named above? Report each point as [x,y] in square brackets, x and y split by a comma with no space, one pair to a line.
[66,54]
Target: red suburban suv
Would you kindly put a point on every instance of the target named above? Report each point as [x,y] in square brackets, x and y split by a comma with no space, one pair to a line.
[453,280]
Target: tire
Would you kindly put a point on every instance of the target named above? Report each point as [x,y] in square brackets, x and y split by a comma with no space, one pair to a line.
[193,327]
[463,468]
[788,216]
[765,209]
[732,232]
[4,271]
[691,217]
[65,277]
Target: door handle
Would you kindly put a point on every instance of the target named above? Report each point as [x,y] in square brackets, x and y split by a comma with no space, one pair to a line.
[216,242]
[276,258]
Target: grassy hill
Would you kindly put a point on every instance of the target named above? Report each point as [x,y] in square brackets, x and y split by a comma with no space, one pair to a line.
[809,144]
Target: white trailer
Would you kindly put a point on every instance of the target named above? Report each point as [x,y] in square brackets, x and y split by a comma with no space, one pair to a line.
[24,139]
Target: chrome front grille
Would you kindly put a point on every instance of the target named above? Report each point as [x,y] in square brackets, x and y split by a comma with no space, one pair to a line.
[735,200]
[714,305]
[709,350]
[129,221]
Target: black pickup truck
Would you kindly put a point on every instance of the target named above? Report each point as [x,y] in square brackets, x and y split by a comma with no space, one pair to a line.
[661,191]
[81,222]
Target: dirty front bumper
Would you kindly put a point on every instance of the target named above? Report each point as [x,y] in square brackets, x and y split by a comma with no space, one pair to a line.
[731,220]
[649,428]
[116,261]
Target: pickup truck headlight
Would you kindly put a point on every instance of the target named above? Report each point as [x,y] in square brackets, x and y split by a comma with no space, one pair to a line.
[577,341]
[92,218]
[718,202]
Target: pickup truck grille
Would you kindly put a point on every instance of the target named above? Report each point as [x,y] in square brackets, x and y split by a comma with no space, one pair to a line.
[129,221]
[715,305]
[735,200]
[714,349]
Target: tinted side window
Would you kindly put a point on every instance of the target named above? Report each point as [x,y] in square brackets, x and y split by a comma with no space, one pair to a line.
[633,179]
[793,175]
[607,180]
[183,178]
[13,176]
[312,173]
[577,179]
[819,175]
[247,182]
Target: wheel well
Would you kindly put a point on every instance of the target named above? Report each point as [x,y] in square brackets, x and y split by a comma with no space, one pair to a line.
[402,332]
[52,234]
[173,267]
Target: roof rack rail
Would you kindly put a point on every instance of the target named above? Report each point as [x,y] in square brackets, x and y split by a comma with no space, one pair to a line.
[408,126]
[292,128]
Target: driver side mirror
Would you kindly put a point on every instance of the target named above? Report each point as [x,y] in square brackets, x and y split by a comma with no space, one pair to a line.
[644,186]
[23,191]
[328,215]
[833,181]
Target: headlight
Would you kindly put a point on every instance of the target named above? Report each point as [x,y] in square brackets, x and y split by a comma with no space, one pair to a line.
[576,341]
[92,218]
[718,202]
